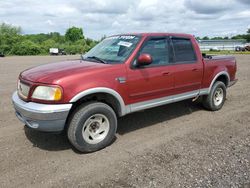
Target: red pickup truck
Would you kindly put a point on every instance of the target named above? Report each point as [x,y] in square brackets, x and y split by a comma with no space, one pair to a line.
[121,75]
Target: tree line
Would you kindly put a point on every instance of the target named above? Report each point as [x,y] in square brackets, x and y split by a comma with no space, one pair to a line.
[12,42]
[236,37]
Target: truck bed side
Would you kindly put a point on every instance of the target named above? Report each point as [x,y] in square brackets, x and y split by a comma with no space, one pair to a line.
[216,66]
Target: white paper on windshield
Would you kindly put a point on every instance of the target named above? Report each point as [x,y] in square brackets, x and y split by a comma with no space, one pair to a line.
[126,37]
[123,37]
[124,43]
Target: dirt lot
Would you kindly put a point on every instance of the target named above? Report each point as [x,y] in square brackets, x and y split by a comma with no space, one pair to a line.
[178,145]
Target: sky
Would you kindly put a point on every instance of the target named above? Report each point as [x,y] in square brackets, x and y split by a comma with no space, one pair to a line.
[108,17]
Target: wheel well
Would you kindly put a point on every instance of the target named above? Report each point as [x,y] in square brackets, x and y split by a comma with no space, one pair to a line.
[223,78]
[100,97]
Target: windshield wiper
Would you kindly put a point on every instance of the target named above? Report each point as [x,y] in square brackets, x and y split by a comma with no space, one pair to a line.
[97,58]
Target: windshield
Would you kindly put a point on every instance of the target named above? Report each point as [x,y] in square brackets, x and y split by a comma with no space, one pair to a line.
[115,49]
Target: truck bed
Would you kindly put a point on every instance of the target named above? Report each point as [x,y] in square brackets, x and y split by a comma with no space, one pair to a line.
[217,57]
[218,62]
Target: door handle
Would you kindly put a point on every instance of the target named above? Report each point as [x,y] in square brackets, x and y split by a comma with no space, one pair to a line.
[165,73]
[195,70]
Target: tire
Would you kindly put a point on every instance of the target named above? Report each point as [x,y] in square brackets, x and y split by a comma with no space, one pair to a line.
[92,127]
[216,98]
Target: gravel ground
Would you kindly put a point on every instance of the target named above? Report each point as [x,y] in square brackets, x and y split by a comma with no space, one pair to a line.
[177,145]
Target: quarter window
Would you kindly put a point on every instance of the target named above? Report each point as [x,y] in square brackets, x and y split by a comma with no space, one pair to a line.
[184,51]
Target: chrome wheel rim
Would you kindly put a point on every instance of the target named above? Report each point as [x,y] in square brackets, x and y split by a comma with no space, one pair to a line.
[95,128]
[218,96]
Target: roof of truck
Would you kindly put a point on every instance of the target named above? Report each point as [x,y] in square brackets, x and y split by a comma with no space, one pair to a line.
[160,34]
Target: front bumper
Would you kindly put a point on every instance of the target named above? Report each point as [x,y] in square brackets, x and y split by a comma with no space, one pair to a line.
[42,117]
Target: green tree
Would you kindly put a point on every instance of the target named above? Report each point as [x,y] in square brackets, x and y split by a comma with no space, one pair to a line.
[244,36]
[217,38]
[238,37]
[7,41]
[248,35]
[13,43]
[47,44]
[205,38]
[88,41]
[56,37]
[74,34]
[8,29]
[103,37]
[73,48]
[81,42]
[26,48]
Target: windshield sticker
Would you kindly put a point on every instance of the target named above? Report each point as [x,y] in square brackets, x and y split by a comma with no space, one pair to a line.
[124,37]
[127,37]
[114,37]
[124,43]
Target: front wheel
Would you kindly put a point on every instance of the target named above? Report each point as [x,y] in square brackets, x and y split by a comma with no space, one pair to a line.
[216,98]
[92,127]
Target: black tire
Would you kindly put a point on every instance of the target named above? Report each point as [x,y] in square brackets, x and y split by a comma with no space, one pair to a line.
[77,126]
[209,101]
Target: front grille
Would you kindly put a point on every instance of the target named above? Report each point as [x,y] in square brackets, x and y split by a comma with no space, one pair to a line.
[23,89]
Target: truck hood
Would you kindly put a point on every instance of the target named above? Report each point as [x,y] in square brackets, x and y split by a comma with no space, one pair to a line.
[53,72]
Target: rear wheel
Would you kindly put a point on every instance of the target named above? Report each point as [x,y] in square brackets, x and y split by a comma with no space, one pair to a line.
[216,98]
[92,127]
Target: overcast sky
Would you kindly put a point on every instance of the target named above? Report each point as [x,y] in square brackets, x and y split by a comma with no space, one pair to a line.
[106,17]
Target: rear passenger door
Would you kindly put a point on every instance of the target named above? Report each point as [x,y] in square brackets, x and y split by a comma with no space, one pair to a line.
[188,70]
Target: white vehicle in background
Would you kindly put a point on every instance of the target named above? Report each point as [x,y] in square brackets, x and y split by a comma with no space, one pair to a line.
[53,51]
[56,51]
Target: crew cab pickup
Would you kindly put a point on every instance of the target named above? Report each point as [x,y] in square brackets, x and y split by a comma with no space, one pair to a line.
[121,75]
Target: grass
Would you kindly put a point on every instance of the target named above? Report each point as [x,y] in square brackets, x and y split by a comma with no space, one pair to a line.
[224,52]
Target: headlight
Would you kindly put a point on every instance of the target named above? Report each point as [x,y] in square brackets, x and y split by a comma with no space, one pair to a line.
[47,93]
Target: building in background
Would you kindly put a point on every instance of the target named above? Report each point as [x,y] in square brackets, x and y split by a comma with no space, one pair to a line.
[227,44]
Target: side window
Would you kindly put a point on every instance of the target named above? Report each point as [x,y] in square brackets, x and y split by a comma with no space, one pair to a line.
[158,49]
[184,51]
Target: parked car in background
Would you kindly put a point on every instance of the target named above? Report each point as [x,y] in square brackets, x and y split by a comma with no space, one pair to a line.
[247,47]
[1,54]
[57,51]
[240,49]
[62,52]
[121,75]
[243,49]
[54,51]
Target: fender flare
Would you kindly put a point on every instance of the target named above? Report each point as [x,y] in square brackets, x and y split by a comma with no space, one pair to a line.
[123,109]
[216,76]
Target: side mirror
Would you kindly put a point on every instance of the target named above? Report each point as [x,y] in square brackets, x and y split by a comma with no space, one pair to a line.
[144,59]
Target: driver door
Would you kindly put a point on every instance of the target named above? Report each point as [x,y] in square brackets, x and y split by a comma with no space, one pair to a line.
[155,80]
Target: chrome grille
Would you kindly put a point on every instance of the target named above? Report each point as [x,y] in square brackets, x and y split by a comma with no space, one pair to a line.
[23,89]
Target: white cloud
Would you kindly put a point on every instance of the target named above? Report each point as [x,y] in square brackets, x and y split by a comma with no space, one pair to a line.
[49,22]
[106,17]
[208,7]
[247,2]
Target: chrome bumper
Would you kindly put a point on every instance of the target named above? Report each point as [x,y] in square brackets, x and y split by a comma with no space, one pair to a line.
[43,117]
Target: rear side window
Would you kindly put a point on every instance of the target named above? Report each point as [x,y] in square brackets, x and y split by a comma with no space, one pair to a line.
[158,49]
[184,51]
